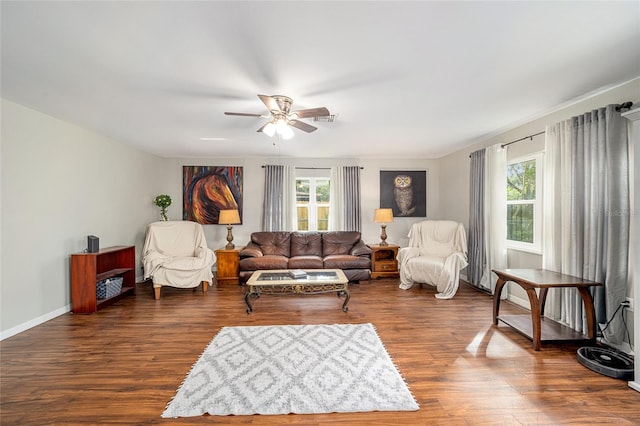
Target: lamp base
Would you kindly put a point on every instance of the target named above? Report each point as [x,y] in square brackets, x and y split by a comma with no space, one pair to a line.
[230,245]
[383,236]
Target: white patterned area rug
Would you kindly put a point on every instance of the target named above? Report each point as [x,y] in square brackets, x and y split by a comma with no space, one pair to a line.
[300,369]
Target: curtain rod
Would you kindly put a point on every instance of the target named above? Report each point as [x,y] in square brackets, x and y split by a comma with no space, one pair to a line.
[314,168]
[624,105]
[521,139]
[518,140]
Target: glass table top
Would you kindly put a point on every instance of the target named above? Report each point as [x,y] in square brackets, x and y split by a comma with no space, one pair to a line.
[286,276]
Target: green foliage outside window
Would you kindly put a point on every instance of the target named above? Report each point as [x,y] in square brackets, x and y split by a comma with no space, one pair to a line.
[322,191]
[521,181]
[520,222]
[521,187]
[302,190]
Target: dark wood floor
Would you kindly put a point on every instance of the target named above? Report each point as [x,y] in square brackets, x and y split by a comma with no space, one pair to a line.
[123,364]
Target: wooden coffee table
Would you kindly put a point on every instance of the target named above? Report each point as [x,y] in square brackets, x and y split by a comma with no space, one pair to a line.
[280,281]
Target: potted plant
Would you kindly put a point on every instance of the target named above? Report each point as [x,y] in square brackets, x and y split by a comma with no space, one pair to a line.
[163,201]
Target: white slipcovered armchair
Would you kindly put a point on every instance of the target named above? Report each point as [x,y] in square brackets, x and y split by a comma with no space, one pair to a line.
[175,254]
[437,252]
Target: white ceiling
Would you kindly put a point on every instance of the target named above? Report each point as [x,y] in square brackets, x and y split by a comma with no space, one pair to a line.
[405,79]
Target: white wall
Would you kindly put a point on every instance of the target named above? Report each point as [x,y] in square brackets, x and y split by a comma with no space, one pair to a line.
[61,183]
[253,188]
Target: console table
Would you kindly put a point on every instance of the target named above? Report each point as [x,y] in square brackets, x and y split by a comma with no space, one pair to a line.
[535,328]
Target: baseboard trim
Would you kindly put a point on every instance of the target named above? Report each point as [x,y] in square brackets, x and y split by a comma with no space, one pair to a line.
[634,385]
[34,322]
[524,303]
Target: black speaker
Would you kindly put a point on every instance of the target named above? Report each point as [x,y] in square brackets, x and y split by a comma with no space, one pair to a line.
[93,244]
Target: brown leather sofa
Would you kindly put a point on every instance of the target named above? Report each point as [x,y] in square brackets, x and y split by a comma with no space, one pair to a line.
[307,250]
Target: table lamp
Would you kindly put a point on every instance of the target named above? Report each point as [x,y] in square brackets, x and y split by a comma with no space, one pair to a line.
[229,217]
[383,216]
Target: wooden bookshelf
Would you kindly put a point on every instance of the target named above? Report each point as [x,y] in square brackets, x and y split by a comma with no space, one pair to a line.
[89,268]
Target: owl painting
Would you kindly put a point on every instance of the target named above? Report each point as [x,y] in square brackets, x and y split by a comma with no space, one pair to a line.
[404,192]
[403,195]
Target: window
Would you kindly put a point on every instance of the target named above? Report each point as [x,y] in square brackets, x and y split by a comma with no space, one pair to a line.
[524,203]
[312,203]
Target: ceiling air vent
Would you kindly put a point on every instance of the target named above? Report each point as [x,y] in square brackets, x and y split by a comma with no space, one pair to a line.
[326,118]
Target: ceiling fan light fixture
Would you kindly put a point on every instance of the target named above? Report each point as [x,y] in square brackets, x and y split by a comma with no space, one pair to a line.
[283,118]
[269,129]
[280,125]
[285,132]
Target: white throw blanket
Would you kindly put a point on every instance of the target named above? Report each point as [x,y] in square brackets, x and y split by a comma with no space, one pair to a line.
[175,253]
[437,252]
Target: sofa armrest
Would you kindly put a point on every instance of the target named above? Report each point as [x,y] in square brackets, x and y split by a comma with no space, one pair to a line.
[251,250]
[360,249]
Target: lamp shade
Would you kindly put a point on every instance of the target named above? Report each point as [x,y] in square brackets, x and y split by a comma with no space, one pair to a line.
[229,217]
[383,216]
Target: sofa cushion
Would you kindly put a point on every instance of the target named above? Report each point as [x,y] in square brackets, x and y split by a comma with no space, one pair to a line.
[251,250]
[305,262]
[346,261]
[338,242]
[307,250]
[306,244]
[273,243]
[269,261]
[361,249]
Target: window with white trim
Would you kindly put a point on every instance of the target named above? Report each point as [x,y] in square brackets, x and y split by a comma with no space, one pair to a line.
[524,203]
[312,203]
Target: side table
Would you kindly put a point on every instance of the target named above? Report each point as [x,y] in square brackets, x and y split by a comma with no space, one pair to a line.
[535,326]
[383,261]
[228,261]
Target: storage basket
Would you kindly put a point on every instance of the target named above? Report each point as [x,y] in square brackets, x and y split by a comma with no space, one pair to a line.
[108,288]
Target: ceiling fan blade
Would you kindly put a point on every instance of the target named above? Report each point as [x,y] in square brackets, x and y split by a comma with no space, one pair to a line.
[270,102]
[302,126]
[312,112]
[262,128]
[243,114]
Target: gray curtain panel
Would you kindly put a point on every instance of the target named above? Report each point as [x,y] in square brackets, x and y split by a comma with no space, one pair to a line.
[273,214]
[476,247]
[601,209]
[594,218]
[352,211]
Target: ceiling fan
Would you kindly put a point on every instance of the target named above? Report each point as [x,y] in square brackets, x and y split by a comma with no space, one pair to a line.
[282,118]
